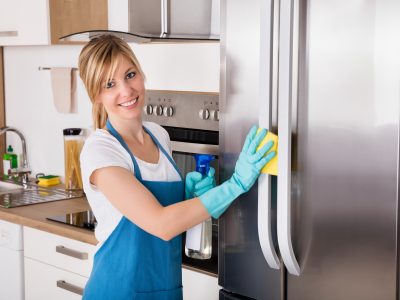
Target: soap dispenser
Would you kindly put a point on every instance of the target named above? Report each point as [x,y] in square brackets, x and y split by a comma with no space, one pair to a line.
[10,161]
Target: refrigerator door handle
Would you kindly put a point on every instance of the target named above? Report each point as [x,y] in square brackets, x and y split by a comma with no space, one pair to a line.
[285,92]
[264,221]
[264,181]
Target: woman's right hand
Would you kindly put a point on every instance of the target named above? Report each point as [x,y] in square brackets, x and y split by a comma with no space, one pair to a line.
[247,170]
[251,161]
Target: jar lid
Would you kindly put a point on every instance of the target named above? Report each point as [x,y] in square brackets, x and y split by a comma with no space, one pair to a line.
[72,131]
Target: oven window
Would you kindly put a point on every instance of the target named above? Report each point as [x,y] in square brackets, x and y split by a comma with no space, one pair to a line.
[186,163]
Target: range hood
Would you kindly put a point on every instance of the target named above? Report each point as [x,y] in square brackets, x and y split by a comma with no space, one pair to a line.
[163,21]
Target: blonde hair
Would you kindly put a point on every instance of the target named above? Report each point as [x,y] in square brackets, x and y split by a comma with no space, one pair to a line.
[98,62]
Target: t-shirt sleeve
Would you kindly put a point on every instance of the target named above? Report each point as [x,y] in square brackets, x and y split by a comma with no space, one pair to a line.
[101,152]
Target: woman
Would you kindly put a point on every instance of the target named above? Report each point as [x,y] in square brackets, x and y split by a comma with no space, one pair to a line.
[134,187]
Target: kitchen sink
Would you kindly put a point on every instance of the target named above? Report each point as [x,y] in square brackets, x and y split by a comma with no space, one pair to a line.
[6,187]
[14,194]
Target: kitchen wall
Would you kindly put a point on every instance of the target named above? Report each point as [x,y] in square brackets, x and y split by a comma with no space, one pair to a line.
[29,101]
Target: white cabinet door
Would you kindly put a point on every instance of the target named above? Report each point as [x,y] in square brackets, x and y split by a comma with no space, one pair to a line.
[24,22]
[58,251]
[198,286]
[44,282]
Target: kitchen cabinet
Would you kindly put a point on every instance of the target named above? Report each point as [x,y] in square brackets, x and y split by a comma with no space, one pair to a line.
[55,267]
[11,261]
[42,22]
[70,16]
[24,22]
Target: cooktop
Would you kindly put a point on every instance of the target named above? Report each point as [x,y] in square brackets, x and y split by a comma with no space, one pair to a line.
[82,219]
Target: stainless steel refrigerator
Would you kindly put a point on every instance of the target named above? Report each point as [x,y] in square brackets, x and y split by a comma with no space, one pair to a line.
[325,76]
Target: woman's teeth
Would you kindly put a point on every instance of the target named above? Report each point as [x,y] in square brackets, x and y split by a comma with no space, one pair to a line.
[129,102]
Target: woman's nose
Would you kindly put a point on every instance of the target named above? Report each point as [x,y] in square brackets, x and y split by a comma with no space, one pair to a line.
[125,88]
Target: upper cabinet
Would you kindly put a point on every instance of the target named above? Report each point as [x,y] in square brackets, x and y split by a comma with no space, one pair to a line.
[24,22]
[43,22]
[70,16]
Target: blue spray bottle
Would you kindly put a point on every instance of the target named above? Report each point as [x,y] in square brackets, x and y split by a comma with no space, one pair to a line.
[199,238]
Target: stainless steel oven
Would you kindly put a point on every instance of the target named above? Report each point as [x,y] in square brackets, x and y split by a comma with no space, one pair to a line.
[191,119]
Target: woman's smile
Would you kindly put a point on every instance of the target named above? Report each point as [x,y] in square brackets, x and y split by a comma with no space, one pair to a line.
[130,103]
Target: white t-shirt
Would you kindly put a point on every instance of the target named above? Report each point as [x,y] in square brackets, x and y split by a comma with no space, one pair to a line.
[101,150]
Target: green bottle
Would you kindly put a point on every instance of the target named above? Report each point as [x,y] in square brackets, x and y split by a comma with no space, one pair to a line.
[10,161]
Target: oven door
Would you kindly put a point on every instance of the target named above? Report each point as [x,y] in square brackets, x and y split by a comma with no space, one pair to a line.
[183,147]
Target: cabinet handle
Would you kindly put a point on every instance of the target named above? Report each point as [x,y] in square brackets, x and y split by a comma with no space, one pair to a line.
[62,284]
[71,252]
[8,33]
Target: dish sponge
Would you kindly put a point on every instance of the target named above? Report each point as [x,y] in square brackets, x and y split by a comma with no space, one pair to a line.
[49,180]
[272,166]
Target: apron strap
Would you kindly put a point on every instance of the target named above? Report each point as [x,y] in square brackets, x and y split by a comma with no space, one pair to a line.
[135,164]
[115,133]
[164,151]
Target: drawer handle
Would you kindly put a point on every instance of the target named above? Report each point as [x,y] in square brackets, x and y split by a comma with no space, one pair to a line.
[8,33]
[71,252]
[69,287]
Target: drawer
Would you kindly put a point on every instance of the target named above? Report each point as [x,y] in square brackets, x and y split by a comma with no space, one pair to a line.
[47,282]
[61,252]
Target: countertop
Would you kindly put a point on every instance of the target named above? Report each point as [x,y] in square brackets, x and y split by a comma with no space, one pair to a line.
[35,216]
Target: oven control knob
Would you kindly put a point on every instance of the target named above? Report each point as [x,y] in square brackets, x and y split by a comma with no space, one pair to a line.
[148,109]
[215,115]
[158,110]
[204,114]
[168,111]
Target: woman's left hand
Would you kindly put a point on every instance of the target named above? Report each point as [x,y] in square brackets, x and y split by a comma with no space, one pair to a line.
[196,184]
[205,184]
[190,181]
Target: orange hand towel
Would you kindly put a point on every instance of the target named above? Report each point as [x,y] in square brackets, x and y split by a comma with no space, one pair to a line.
[63,83]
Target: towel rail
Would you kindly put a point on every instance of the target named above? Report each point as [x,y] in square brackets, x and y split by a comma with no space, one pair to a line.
[48,68]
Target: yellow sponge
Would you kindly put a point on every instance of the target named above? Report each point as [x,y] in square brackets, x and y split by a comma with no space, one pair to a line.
[49,180]
[272,166]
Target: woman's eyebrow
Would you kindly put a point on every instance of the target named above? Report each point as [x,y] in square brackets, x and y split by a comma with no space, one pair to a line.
[130,69]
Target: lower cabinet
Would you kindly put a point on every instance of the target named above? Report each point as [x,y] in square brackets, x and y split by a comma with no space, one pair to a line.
[55,267]
[43,281]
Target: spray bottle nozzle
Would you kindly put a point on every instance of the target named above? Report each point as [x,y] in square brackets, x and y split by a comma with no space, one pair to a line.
[203,162]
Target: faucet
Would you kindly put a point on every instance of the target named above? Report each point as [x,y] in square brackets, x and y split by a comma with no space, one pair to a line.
[24,171]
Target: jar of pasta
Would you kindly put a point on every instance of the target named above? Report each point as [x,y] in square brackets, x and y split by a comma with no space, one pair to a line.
[73,143]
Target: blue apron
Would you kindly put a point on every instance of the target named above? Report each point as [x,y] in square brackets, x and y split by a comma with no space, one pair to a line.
[133,264]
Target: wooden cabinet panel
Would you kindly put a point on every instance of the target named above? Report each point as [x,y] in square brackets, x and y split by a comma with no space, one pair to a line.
[70,16]
[2,113]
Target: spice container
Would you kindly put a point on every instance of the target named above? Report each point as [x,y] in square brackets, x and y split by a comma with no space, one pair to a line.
[73,143]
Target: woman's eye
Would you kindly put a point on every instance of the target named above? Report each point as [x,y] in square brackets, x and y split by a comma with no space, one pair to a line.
[131,75]
[109,84]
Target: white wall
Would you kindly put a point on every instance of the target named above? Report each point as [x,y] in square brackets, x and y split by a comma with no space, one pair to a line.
[29,102]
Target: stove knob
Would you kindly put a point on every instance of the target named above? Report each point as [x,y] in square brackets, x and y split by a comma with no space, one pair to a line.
[168,111]
[215,115]
[158,110]
[148,109]
[204,114]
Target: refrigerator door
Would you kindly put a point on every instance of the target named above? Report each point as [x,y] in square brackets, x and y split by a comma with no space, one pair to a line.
[243,269]
[345,149]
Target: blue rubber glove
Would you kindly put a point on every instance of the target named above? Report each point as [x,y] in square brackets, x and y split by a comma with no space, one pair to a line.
[190,181]
[196,184]
[247,170]
[205,184]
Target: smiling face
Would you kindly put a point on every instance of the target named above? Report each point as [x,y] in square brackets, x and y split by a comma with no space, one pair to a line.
[122,95]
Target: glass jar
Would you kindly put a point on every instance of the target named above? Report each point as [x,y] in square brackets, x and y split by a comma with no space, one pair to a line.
[73,143]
